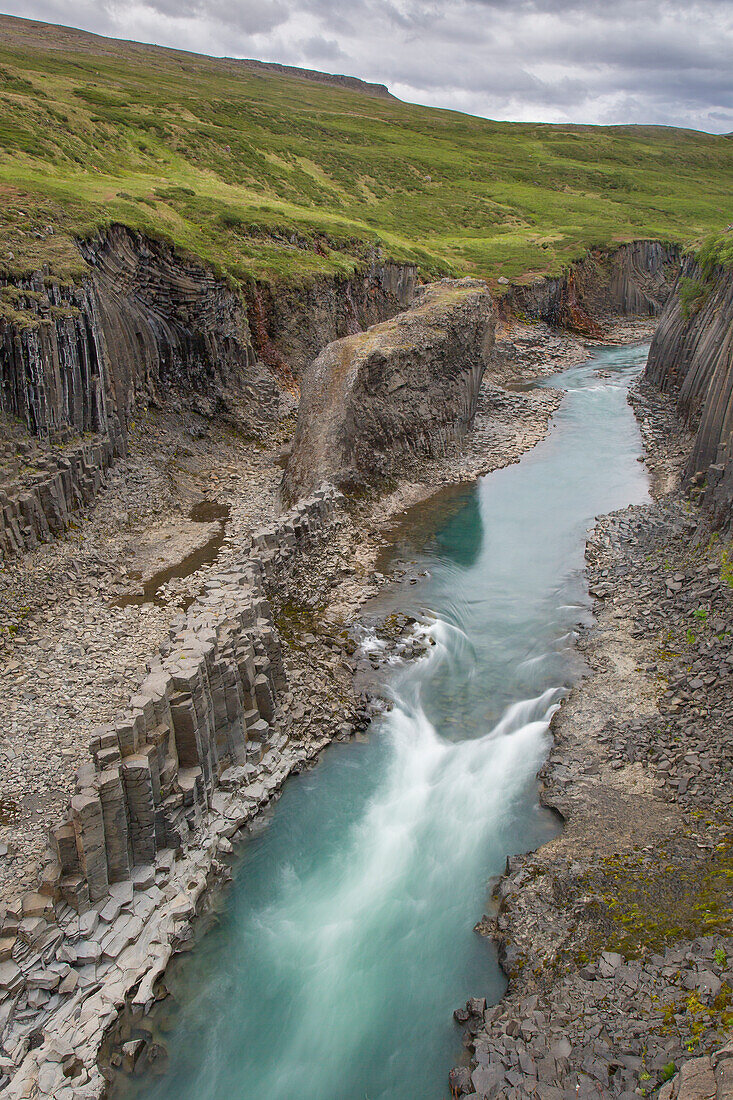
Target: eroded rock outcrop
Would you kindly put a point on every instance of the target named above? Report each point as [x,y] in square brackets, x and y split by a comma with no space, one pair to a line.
[692,356]
[406,387]
[42,487]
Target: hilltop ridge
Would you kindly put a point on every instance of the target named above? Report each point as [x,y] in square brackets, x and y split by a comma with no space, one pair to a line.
[268,174]
[19,32]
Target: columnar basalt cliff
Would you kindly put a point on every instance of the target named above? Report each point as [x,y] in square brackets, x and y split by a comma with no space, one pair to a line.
[692,356]
[408,387]
[633,280]
[150,326]
[54,389]
[52,375]
[293,324]
[43,487]
[145,323]
[168,327]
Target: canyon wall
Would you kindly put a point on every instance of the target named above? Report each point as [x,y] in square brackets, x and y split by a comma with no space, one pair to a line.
[691,356]
[292,324]
[145,324]
[169,327]
[633,280]
[149,326]
[372,401]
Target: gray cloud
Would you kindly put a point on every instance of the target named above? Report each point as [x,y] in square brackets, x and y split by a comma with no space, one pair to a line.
[323,49]
[653,61]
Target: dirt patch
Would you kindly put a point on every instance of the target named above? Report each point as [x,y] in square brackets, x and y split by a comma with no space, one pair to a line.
[174,550]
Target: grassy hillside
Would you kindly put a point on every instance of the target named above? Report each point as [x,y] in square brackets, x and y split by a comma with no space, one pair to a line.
[266,175]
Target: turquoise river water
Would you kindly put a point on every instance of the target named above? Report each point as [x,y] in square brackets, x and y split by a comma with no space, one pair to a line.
[347,937]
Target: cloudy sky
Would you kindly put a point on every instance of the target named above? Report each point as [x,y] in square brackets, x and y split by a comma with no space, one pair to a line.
[660,61]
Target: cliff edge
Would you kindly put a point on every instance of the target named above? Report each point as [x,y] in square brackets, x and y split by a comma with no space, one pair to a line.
[408,386]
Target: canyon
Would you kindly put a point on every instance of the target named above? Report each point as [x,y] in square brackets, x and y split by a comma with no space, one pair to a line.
[245,669]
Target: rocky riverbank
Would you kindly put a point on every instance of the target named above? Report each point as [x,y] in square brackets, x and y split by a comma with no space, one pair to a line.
[74,641]
[617,937]
[66,980]
[75,636]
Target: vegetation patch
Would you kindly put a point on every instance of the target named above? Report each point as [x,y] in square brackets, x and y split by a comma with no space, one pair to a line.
[266,176]
[645,904]
[294,619]
[693,295]
[716,251]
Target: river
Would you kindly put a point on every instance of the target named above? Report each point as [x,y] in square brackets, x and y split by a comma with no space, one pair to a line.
[347,935]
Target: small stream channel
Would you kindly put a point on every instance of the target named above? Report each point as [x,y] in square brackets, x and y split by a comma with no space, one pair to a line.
[347,936]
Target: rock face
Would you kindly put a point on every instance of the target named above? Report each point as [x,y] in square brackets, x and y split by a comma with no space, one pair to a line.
[692,356]
[408,386]
[165,325]
[149,326]
[145,322]
[145,326]
[293,324]
[36,505]
[634,280]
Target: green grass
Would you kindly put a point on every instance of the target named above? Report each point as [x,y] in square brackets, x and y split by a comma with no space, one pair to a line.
[265,176]
[715,251]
